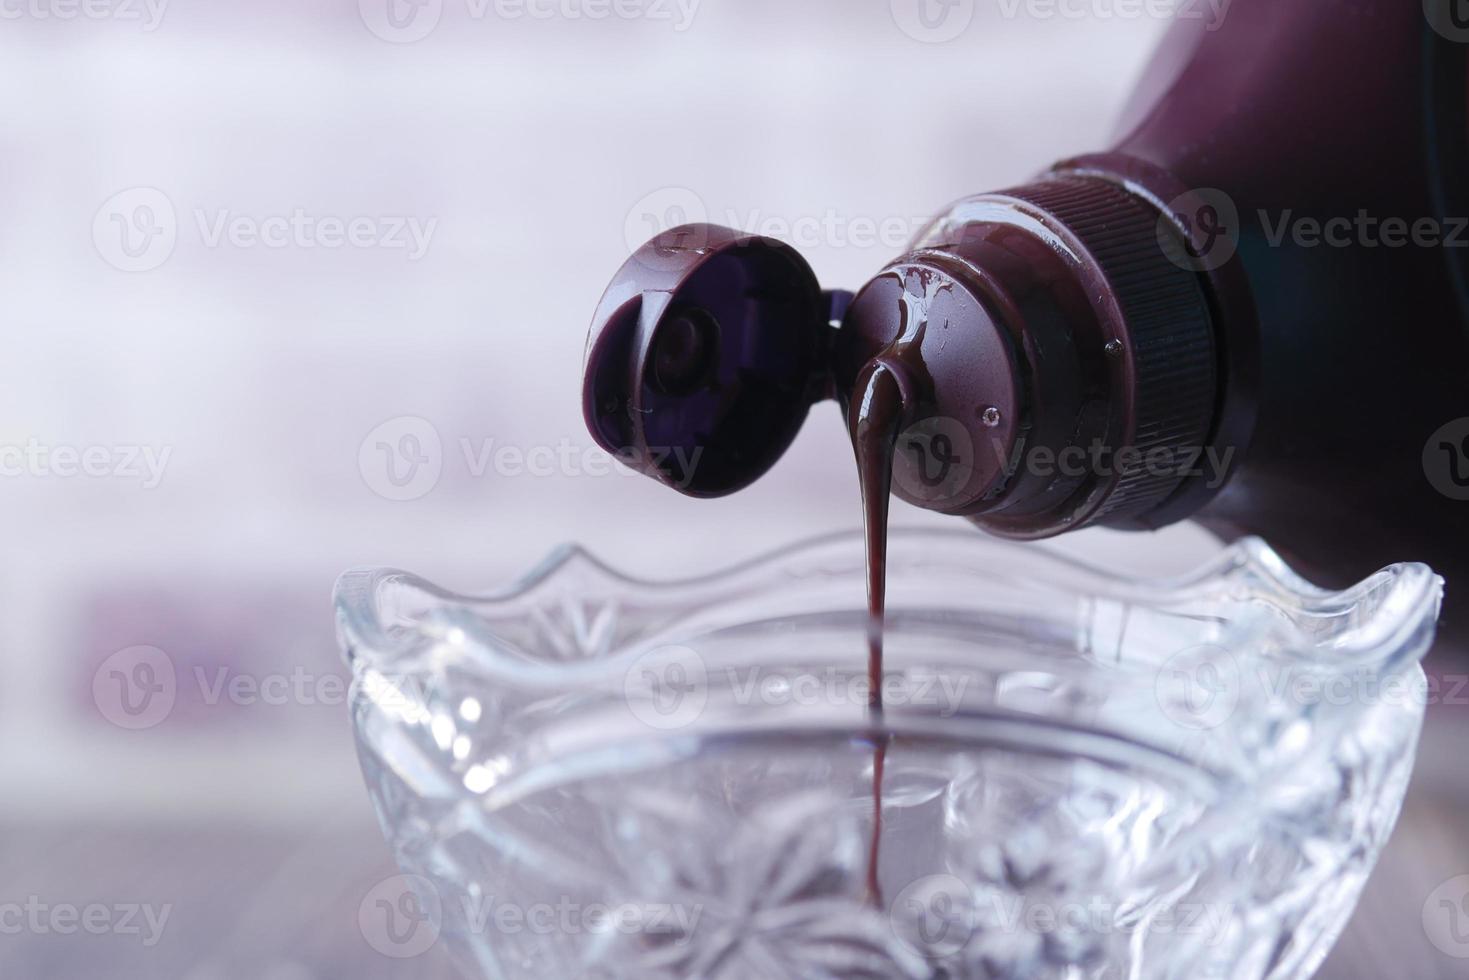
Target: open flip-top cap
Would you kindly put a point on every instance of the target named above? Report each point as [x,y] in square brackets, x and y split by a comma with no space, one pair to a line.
[705,354]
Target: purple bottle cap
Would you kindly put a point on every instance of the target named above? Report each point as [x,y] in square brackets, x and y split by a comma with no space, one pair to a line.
[705,355]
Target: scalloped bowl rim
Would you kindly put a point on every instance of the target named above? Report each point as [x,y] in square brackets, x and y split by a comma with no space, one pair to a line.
[1417,591]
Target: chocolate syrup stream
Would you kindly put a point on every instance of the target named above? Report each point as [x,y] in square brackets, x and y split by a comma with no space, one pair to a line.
[875,431]
[878,415]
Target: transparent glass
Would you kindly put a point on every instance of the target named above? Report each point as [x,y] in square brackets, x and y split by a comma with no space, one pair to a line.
[1086,776]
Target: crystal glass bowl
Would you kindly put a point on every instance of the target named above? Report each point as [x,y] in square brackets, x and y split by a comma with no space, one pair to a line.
[1083,775]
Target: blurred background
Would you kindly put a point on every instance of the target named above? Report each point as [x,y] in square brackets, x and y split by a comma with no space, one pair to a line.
[298,285]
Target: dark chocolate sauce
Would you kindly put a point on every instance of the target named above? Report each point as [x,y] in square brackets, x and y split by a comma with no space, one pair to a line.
[878,415]
[875,437]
